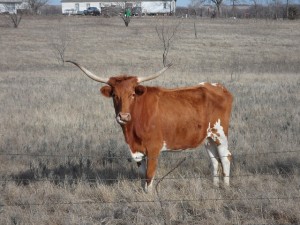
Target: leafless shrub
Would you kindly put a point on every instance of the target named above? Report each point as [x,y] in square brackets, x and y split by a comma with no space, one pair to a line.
[236,68]
[35,5]
[59,43]
[16,19]
[218,4]
[166,31]
[126,19]
[292,12]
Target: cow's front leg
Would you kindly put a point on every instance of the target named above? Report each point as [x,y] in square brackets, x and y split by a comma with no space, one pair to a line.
[142,171]
[150,172]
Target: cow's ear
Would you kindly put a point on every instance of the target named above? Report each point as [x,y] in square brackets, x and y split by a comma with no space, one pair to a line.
[139,90]
[106,91]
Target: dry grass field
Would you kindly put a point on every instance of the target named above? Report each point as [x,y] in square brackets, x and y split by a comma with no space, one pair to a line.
[63,158]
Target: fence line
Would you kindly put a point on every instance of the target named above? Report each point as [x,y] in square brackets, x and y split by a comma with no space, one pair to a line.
[94,180]
[98,179]
[129,158]
[153,201]
[258,198]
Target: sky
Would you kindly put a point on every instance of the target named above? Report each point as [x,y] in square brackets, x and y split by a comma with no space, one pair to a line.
[183,2]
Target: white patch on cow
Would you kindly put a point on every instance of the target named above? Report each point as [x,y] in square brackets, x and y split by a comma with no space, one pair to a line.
[210,134]
[214,84]
[137,156]
[218,135]
[164,147]
[202,83]
[222,138]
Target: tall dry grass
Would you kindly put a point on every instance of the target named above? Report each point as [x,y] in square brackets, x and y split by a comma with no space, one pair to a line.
[63,130]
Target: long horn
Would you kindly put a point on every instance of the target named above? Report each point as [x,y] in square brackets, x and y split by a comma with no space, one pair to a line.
[89,73]
[153,76]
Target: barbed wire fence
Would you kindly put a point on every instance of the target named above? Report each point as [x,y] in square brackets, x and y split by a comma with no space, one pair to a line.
[158,179]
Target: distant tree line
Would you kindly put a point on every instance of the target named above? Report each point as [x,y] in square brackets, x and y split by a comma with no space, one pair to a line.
[273,10]
[198,8]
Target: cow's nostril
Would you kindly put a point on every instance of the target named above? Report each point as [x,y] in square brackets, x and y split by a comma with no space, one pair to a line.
[125,116]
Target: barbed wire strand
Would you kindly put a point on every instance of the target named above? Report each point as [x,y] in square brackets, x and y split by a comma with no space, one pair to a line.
[141,201]
[129,158]
[157,191]
[132,179]
[93,180]
[151,201]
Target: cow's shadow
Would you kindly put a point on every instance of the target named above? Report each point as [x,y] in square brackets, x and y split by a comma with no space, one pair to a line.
[111,171]
[277,166]
[75,171]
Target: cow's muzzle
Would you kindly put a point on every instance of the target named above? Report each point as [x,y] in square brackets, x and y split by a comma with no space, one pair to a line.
[123,118]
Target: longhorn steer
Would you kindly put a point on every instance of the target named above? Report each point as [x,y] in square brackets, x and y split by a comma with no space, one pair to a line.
[155,119]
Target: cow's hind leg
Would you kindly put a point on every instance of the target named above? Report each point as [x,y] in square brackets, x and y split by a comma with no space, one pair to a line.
[217,137]
[225,157]
[212,150]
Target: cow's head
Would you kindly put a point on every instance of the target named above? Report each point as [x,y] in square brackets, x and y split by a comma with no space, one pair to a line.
[123,89]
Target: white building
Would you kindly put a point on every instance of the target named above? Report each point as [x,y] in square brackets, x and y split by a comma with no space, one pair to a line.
[147,6]
[11,6]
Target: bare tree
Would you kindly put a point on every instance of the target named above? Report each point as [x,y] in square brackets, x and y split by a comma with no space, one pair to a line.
[35,5]
[218,5]
[59,43]
[255,5]
[234,2]
[276,4]
[126,16]
[292,12]
[196,6]
[120,9]
[14,16]
[126,20]
[166,32]
[287,8]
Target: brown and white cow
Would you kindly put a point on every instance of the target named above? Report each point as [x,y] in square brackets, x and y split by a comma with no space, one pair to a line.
[155,119]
